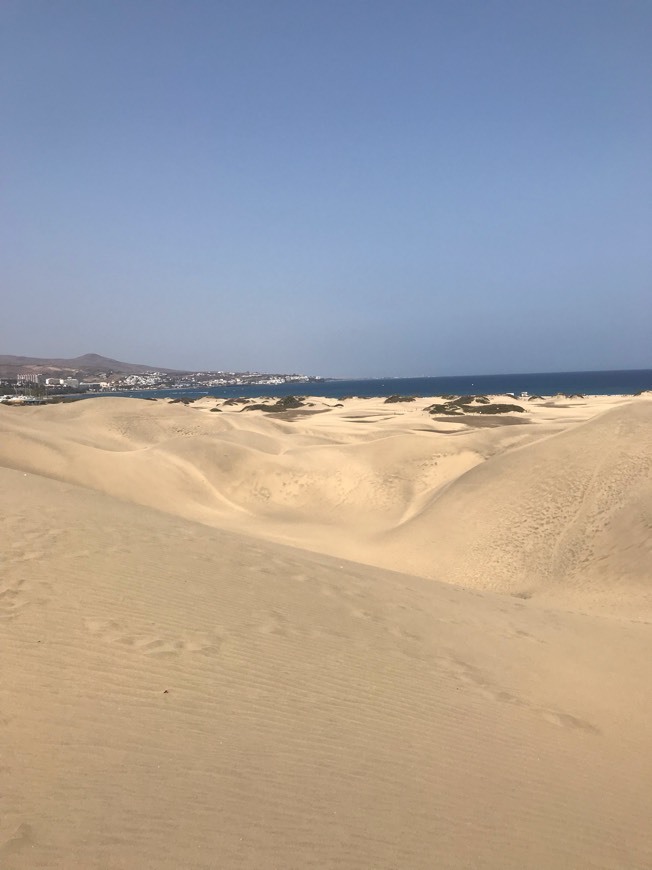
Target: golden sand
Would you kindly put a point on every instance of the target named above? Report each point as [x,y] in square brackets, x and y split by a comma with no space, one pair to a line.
[360,638]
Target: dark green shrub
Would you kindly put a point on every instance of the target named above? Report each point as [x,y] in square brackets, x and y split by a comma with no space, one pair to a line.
[448,409]
[463,400]
[287,403]
[496,409]
[455,408]
[291,402]
[238,401]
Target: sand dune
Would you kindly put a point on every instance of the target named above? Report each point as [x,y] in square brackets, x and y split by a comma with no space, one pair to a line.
[175,696]
[568,518]
[556,504]
[182,690]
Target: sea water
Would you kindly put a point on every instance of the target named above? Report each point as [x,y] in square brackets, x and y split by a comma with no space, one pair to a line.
[538,383]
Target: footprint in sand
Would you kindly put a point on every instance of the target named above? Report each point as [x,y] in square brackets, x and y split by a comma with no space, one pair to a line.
[565,720]
[202,643]
[473,678]
[517,634]
[274,622]
[22,839]
[12,599]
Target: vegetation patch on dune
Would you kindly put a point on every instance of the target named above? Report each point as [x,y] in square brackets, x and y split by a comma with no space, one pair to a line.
[287,403]
[498,408]
[472,405]
[240,401]
[393,399]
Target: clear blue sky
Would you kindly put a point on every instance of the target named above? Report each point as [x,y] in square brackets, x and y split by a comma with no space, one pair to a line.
[351,188]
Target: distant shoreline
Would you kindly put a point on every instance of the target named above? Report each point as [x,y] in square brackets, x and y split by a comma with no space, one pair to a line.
[603,383]
[548,384]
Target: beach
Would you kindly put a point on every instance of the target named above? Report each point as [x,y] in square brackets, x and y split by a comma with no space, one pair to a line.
[349,634]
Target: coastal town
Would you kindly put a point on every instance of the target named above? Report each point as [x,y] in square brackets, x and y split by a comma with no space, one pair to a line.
[27,381]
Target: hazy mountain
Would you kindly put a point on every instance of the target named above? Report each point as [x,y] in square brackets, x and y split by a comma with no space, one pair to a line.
[87,364]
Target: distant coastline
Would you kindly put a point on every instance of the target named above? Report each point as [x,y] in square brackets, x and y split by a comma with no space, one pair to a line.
[600,383]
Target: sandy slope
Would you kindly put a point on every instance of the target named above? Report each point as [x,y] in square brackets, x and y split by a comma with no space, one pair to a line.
[568,518]
[177,694]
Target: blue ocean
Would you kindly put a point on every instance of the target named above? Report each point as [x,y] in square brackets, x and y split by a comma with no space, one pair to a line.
[538,383]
